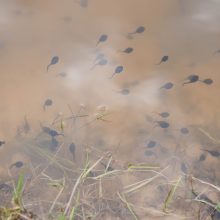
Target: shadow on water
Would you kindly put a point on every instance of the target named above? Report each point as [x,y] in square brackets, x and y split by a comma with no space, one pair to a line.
[109,110]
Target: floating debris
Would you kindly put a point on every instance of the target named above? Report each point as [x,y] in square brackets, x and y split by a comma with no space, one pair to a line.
[167,86]
[163,59]
[72,149]
[184,130]
[47,103]
[17,164]
[191,79]
[102,39]
[151,144]
[53,61]
[2,143]
[213,153]
[118,70]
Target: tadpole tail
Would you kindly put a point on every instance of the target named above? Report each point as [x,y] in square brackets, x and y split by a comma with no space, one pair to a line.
[93,66]
[132,33]
[48,67]
[97,43]
[159,63]
[185,83]
[112,76]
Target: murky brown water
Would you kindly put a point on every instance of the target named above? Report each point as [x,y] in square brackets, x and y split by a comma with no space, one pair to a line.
[32,32]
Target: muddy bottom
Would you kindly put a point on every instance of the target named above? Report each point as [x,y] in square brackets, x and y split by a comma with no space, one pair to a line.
[109,110]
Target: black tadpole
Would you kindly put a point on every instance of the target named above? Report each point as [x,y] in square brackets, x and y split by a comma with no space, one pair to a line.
[125,91]
[17,164]
[184,130]
[83,3]
[191,79]
[139,30]
[102,38]
[202,157]
[163,124]
[151,144]
[53,61]
[163,59]
[2,143]
[48,102]
[167,86]
[72,149]
[101,62]
[164,114]
[118,70]
[128,50]
[207,81]
[213,153]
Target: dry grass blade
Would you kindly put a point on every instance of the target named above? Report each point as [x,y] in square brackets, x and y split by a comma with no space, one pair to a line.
[216,141]
[106,174]
[135,186]
[209,184]
[82,176]
[128,205]
[140,184]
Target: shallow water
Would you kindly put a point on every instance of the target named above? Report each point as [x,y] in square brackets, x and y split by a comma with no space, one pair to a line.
[32,33]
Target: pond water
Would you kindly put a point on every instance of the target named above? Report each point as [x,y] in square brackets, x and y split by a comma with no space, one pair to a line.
[127,86]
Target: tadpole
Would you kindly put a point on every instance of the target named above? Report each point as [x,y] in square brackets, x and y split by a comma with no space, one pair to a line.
[138,30]
[128,50]
[167,86]
[191,79]
[72,149]
[2,143]
[17,164]
[164,114]
[101,62]
[125,91]
[102,39]
[207,81]
[184,130]
[47,103]
[163,59]
[213,153]
[202,157]
[118,70]
[163,124]
[151,144]
[53,61]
